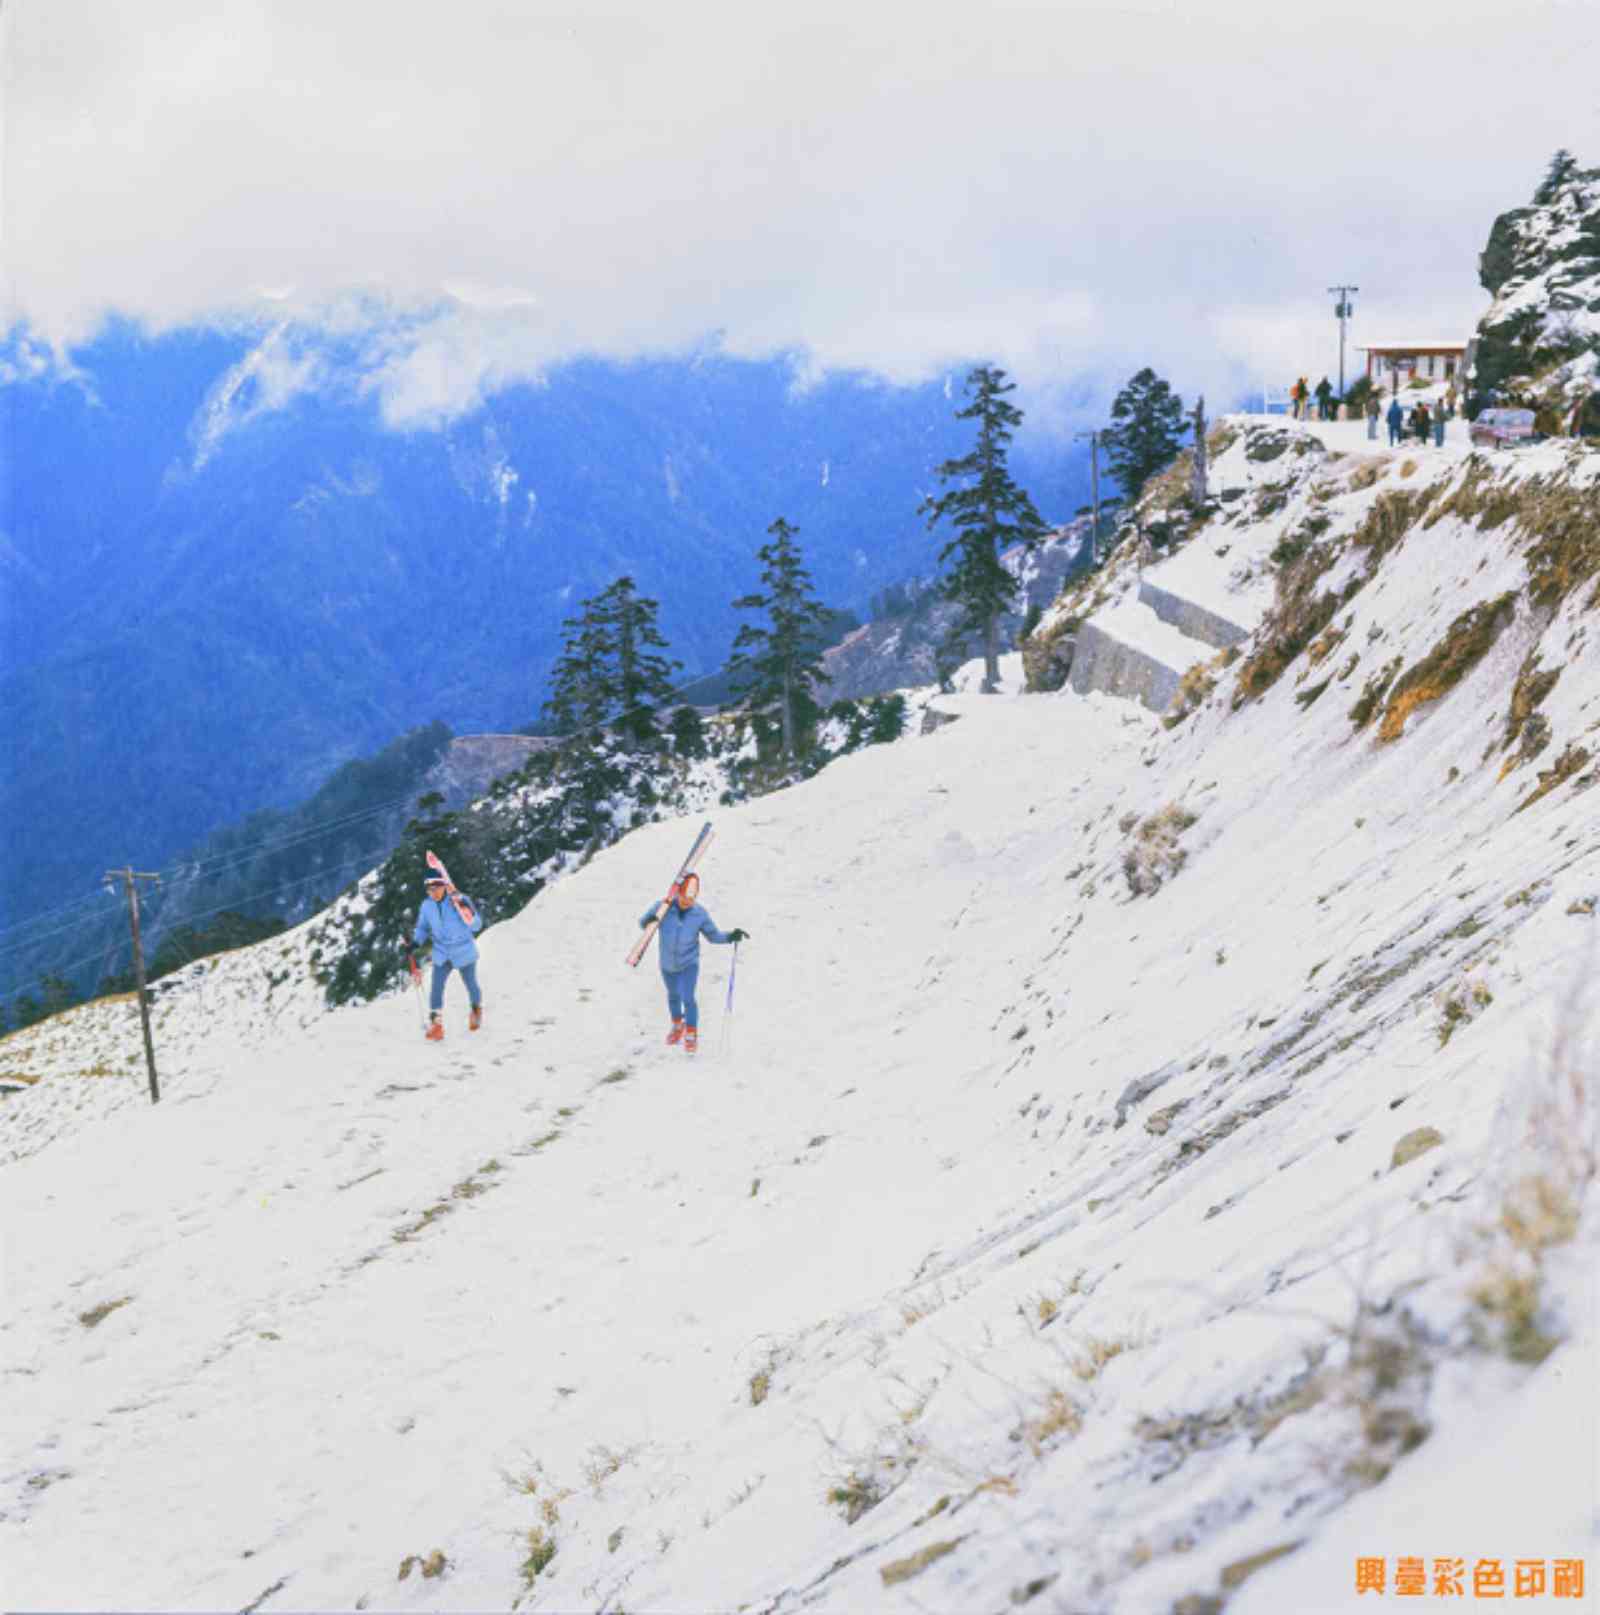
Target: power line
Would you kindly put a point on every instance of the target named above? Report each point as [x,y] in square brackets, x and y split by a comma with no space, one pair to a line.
[47,913]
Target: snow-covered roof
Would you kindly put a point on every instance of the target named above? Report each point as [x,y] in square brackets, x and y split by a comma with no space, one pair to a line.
[1447,345]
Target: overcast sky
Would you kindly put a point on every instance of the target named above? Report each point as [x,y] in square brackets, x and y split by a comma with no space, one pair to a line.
[1071,189]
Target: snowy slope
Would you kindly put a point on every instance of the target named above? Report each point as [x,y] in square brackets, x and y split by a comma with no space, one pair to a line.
[1032,1233]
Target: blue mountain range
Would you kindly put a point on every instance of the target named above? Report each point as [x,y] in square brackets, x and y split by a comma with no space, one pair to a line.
[214,590]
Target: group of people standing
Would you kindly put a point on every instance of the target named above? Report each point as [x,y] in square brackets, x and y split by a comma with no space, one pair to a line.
[1301,396]
[1422,422]
[448,923]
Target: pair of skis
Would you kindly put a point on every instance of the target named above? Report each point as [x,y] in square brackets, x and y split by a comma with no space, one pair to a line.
[685,869]
[462,906]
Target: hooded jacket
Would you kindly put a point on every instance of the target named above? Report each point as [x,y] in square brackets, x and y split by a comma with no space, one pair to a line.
[451,936]
[681,930]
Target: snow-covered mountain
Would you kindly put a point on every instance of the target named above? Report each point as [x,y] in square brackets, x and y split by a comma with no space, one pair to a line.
[1142,1163]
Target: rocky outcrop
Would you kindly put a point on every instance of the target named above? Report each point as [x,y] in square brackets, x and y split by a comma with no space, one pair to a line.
[472,763]
[1539,343]
[1047,655]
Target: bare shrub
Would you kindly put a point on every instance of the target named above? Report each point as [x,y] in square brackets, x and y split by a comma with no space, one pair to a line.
[855,1495]
[1154,855]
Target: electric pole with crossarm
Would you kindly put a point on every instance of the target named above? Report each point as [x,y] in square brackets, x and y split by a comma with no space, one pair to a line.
[1344,308]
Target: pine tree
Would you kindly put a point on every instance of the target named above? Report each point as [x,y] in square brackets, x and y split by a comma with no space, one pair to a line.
[989,512]
[781,664]
[1562,167]
[688,732]
[610,670]
[59,994]
[1147,432]
[642,678]
[583,691]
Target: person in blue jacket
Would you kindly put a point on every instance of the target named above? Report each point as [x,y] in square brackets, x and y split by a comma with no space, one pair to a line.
[682,926]
[1396,417]
[439,922]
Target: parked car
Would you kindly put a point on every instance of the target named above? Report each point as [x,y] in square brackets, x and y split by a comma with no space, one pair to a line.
[1497,427]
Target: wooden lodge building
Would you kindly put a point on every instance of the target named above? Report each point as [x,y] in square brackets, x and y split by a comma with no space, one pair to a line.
[1393,363]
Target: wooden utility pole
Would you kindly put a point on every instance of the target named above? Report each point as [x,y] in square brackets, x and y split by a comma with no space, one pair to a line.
[1199,484]
[1344,308]
[129,878]
[1094,484]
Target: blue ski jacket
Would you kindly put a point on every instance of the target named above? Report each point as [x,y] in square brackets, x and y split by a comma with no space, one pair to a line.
[681,930]
[450,935]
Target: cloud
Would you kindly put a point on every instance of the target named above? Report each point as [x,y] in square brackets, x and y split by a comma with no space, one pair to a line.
[1056,186]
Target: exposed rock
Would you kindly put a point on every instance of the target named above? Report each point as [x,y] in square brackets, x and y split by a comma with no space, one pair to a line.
[1047,655]
[1417,1142]
[1539,343]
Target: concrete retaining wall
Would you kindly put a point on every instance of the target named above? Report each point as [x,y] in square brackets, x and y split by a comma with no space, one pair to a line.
[1193,620]
[1103,663]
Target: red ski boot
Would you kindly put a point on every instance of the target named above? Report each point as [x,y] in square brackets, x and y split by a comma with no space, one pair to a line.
[691,1039]
[435,1029]
[475,1019]
[676,1034]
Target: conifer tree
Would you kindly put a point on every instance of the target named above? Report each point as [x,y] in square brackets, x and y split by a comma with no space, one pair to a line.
[781,664]
[989,512]
[643,677]
[1562,167]
[1146,434]
[610,670]
[583,692]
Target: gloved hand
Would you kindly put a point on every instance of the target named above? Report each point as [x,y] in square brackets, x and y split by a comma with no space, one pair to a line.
[736,935]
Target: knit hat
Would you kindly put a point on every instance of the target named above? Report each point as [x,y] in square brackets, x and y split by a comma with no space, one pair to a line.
[433,878]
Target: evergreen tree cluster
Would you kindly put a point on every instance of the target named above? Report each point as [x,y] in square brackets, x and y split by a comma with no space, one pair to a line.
[611,671]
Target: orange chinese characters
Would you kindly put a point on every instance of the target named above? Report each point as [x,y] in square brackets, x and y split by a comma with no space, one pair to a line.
[1567,1578]
[1528,1578]
[1410,1578]
[1449,1578]
[1488,1579]
[1371,1575]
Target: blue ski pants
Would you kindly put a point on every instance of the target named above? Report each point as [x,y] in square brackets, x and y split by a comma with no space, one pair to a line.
[680,993]
[441,974]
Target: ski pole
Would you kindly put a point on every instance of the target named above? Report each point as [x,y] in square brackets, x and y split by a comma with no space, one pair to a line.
[727,1018]
[416,981]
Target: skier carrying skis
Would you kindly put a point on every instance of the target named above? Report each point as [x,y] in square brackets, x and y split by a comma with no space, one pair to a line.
[682,926]
[440,922]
